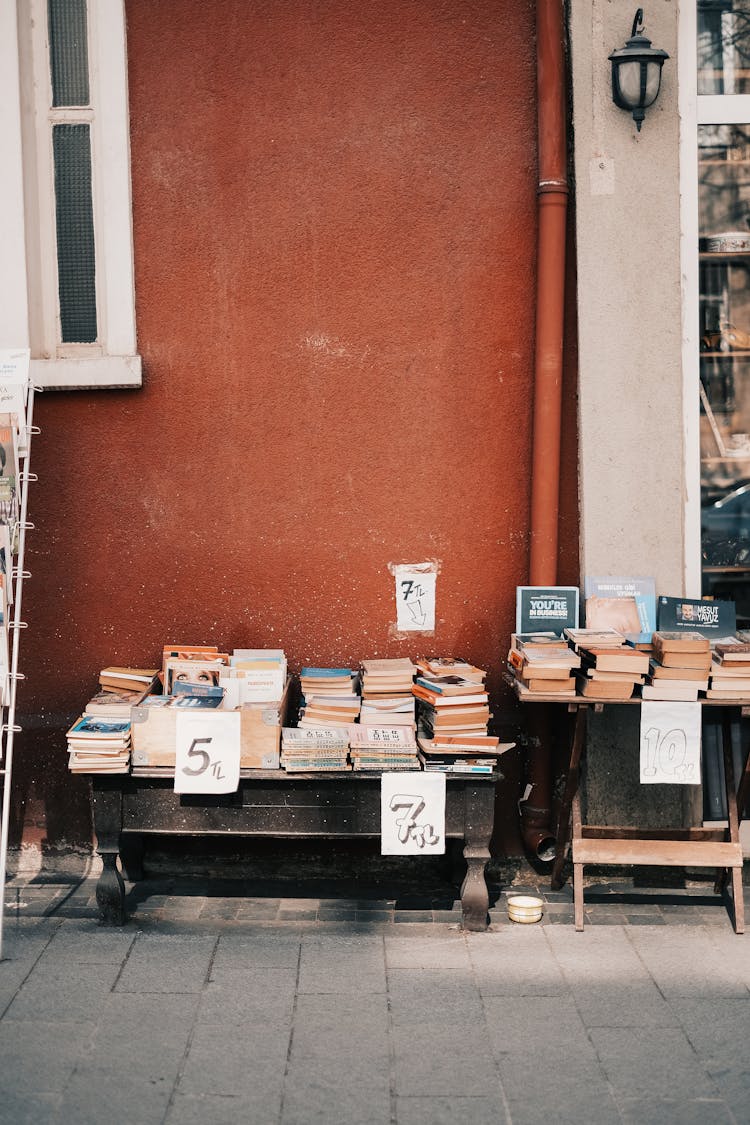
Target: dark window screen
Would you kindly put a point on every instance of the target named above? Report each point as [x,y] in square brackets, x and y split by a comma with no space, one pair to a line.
[68,52]
[76,266]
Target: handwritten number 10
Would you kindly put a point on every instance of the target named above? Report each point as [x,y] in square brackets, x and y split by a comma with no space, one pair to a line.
[666,752]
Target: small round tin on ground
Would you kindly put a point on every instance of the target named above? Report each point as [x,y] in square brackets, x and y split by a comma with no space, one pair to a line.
[525,908]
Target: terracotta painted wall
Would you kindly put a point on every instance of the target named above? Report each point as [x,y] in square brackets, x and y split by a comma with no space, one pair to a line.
[334,215]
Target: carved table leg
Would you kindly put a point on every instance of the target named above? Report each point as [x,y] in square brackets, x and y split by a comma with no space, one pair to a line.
[479,814]
[110,890]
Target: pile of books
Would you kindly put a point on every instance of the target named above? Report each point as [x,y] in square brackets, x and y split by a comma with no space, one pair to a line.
[314,749]
[679,666]
[193,667]
[386,692]
[383,748]
[542,664]
[329,697]
[451,703]
[476,754]
[254,675]
[730,668]
[99,745]
[610,668]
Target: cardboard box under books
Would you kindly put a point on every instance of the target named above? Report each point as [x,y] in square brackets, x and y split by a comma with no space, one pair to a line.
[154,729]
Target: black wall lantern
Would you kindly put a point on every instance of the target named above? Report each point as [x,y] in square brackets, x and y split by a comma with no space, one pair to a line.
[636,72]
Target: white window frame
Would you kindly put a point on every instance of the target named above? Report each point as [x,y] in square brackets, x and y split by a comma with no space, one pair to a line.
[695,110]
[113,360]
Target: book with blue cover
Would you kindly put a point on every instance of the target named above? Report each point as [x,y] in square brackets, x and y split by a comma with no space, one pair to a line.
[622,603]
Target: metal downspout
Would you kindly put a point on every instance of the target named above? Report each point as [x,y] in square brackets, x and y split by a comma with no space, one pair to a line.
[536,811]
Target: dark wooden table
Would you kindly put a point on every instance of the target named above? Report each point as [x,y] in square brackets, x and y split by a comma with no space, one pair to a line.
[619,845]
[129,807]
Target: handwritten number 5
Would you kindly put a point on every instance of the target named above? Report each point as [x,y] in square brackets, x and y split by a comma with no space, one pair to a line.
[193,753]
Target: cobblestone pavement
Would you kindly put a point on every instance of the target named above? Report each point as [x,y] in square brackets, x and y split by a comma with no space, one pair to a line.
[216,1003]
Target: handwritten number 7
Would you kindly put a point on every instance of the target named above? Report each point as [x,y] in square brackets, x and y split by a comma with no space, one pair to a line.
[193,753]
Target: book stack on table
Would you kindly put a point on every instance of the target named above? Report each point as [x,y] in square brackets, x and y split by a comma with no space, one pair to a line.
[730,669]
[477,754]
[307,750]
[610,670]
[383,748]
[99,745]
[386,692]
[542,664]
[329,697]
[679,667]
[452,702]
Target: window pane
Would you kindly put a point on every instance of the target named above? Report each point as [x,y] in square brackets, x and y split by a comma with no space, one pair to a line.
[68,52]
[75,233]
[724,195]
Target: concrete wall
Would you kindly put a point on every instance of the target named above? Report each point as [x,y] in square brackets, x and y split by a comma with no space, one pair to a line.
[631,459]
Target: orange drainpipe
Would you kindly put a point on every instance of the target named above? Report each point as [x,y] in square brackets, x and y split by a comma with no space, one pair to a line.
[536,811]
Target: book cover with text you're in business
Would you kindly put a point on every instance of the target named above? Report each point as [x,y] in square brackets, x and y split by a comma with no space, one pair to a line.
[546,609]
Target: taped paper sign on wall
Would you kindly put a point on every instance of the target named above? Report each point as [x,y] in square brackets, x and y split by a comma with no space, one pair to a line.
[415,596]
[670,743]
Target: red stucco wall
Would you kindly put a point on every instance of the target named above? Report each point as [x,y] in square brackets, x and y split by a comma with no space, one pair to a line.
[334,217]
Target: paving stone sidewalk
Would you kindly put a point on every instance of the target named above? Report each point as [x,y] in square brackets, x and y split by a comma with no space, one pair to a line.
[213,1007]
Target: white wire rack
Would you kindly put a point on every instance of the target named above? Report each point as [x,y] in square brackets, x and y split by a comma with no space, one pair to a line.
[15,575]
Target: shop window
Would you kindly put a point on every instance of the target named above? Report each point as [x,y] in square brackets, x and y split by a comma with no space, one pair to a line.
[723,83]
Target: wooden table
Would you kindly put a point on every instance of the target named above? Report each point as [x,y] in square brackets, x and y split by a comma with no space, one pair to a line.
[129,807]
[608,845]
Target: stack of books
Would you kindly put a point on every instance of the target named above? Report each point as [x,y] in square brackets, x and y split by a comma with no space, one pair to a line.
[254,675]
[679,667]
[329,697]
[730,669]
[383,748]
[136,682]
[542,664]
[386,692]
[451,704]
[315,749]
[611,672]
[450,666]
[476,754]
[99,745]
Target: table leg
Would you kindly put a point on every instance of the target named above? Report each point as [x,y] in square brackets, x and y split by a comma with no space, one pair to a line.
[110,889]
[733,822]
[577,867]
[479,818]
[572,779]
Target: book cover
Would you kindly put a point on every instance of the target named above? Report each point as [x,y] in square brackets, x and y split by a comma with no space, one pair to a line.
[546,608]
[622,603]
[698,615]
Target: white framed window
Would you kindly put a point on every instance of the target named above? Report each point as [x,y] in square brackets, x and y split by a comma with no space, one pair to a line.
[715,173]
[76,193]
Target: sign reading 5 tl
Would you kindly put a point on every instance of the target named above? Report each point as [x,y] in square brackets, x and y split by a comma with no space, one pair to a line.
[208,752]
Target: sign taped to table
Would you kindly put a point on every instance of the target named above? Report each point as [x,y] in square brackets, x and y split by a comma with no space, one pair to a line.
[412,813]
[207,752]
[670,743]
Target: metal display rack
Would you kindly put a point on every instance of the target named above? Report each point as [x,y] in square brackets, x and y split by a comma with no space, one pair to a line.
[15,576]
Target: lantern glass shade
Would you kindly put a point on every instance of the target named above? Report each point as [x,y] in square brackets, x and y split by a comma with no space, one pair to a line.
[637,89]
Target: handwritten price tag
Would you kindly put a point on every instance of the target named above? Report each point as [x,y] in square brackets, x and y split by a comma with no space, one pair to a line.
[670,743]
[208,752]
[415,597]
[412,813]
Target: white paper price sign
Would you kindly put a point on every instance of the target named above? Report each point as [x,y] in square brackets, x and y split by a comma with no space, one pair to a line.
[415,597]
[208,752]
[670,743]
[412,813]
